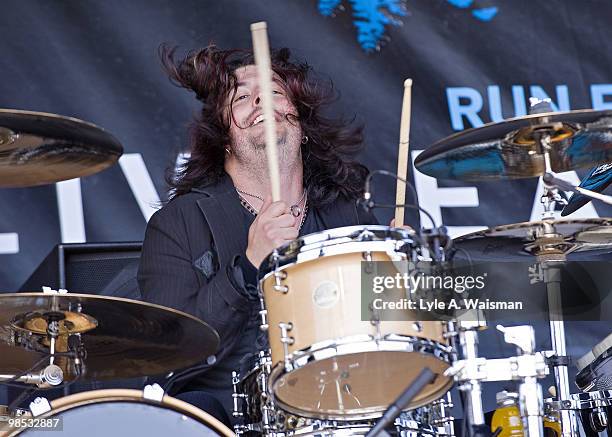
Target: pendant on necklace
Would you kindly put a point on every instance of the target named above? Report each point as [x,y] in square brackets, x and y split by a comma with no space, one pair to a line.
[295,210]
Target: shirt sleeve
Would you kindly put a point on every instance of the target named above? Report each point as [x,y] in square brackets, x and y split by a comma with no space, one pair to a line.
[167,276]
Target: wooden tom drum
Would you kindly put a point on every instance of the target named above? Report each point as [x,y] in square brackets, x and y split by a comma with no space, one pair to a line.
[328,362]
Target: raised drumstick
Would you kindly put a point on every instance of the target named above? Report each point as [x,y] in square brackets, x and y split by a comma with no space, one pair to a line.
[261,50]
[402,157]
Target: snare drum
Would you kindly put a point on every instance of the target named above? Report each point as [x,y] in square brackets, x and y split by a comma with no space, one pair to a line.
[261,417]
[122,412]
[331,364]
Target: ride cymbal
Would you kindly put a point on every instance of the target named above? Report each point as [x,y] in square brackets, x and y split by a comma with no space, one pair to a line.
[37,148]
[513,148]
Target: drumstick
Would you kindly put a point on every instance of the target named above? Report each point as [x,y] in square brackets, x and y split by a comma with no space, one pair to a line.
[264,71]
[402,157]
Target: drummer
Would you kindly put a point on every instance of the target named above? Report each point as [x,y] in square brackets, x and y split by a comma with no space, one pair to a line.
[202,249]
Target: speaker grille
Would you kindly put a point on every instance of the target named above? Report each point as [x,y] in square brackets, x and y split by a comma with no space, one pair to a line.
[91,273]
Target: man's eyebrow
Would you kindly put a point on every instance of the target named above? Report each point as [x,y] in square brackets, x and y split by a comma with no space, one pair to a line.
[274,80]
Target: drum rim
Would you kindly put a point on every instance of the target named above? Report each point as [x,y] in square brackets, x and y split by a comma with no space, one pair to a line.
[287,254]
[331,427]
[77,400]
[279,369]
[256,368]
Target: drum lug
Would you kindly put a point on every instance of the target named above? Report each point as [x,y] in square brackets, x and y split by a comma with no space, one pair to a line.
[440,418]
[286,340]
[236,397]
[281,288]
[280,275]
[39,406]
[153,392]
[263,314]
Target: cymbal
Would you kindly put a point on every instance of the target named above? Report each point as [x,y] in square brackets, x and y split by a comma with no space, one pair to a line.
[123,338]
[548,240]
[37,148]
[511,150]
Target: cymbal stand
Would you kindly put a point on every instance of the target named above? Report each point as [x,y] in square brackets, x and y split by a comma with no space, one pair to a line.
[526,367]
[550,261]
[472,387]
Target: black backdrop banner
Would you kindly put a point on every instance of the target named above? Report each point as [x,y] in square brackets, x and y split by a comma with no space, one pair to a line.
[471,62]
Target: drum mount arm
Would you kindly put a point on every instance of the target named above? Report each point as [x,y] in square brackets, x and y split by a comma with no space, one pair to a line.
[527,367]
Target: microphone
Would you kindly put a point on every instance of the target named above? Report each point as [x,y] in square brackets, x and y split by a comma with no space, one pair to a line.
[366,201]
[401,403]
[51,375]
[597,180]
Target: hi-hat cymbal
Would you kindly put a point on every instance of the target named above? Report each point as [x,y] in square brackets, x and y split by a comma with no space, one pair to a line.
[511,149]
[547,240]
[38,148]
[122,338]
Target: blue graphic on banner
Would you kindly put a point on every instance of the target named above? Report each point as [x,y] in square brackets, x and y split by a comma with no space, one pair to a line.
[485,14]
[461,3]
[371,17]
[327,7]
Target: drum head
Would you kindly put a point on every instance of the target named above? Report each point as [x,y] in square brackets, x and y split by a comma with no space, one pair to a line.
[104,413]
[358,385]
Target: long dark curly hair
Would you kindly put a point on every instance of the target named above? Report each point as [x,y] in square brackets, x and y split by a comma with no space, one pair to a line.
[330,170]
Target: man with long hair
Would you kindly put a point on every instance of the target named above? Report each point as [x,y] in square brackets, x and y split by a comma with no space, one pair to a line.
[202,249]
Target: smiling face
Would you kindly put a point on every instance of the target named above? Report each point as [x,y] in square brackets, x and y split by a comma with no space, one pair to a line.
[247,132]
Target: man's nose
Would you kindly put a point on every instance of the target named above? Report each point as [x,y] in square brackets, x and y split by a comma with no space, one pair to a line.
[257,100]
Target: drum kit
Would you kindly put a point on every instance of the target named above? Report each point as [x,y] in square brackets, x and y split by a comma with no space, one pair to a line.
[331,372]
[328,370]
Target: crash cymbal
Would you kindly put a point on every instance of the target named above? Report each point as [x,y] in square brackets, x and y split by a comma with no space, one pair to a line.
[38,148]
[122,338]
[548,240]
[511,149]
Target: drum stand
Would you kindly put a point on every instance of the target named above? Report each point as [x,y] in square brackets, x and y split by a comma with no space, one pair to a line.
[552,278]
[52,374]
[549,257]
[527,367]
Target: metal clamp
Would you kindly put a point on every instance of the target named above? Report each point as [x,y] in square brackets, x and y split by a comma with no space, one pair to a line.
[39,406]
[49,290]
[558,360]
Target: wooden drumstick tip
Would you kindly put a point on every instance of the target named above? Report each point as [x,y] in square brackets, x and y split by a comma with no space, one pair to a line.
[261,25]
[407,82]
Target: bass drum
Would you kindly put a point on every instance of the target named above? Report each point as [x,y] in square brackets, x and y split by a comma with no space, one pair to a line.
[122,412]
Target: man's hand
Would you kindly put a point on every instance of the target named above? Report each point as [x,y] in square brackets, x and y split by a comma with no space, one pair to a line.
[408,228]
[273,227]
